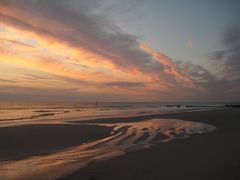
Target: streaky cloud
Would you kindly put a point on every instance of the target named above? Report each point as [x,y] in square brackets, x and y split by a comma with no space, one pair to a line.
[228,58]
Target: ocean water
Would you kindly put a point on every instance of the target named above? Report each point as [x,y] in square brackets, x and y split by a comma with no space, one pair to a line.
[17,113]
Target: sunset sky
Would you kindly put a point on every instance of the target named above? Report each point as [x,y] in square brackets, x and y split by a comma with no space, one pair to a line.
[120,50]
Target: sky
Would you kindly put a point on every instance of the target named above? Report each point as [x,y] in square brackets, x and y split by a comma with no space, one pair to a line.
[120,50]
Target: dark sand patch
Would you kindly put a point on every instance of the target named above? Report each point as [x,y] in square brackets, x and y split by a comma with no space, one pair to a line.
[159,137]
[142,138]
[23,141]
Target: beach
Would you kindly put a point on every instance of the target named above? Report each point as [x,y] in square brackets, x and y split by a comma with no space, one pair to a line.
[18,142]
[119,90]
[207,156]
[211,155]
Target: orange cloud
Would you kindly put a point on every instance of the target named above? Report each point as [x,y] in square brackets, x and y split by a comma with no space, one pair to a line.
[171,68]
[80,47]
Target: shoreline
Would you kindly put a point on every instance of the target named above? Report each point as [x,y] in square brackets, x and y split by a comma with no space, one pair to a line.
[209,152]
[143,117]
[207,156]
[25,136]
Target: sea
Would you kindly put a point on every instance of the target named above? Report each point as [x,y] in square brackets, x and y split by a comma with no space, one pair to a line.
[15,113]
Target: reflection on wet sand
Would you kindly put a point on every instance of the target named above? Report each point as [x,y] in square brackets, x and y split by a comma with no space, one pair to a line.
[124,137]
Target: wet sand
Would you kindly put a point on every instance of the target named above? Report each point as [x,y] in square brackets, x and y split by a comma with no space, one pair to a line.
[19,142]
[207,156]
